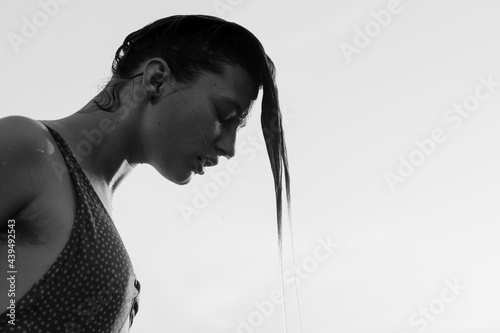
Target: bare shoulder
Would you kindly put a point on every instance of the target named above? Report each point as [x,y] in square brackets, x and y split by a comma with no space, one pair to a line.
[23,142]
[17,126]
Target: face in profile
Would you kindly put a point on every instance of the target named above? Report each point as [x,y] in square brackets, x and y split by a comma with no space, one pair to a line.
[192,125]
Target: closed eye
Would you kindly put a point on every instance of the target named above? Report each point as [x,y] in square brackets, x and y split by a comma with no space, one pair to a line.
[220,117]
[224,117]
[229,113]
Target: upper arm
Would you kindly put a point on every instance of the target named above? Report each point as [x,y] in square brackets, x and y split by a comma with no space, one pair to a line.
[22,165]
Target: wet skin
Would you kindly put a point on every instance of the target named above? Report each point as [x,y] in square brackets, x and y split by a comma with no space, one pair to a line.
[161,122]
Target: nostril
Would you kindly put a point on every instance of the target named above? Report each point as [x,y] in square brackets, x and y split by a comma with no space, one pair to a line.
[222,152]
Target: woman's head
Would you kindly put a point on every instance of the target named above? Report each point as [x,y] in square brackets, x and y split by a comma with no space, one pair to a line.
[195,45]
[183,126]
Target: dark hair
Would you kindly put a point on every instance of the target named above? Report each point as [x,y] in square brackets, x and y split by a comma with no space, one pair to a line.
[193,44]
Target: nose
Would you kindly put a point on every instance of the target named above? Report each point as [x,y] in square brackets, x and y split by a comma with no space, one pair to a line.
[225,143]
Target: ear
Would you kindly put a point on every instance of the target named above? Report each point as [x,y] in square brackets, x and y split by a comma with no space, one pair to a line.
[156,79]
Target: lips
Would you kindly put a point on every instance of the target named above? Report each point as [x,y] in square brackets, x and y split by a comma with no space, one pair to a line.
[205,161]
[199,166]
[208,161]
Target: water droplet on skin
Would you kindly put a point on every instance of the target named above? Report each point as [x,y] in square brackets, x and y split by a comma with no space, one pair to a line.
[4,163]
[50,148]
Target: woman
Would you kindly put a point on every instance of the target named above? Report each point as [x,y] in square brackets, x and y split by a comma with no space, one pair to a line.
[181,87]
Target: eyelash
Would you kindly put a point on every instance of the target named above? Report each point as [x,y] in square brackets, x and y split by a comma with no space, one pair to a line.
[241,121]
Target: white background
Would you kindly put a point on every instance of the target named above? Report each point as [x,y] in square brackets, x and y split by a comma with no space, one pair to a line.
[347,125]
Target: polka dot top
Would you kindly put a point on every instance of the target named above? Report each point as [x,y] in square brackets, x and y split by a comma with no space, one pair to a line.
[91,287]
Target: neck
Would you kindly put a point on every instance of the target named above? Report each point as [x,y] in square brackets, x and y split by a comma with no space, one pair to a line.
[105,143]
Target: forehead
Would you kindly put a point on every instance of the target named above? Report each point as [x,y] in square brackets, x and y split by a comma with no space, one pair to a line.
[235,84]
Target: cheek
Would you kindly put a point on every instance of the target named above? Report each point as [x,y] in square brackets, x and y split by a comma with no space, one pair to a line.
[186,131]
[186,136]
[206,127]
[216,129]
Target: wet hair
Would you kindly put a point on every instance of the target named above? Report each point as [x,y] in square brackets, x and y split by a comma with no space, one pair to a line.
[191,45]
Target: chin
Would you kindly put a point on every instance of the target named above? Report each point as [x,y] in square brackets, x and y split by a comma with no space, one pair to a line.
[183,182]
[179,178]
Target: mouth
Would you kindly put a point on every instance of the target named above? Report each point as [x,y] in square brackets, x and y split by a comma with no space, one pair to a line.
[200,168]
[204,161]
